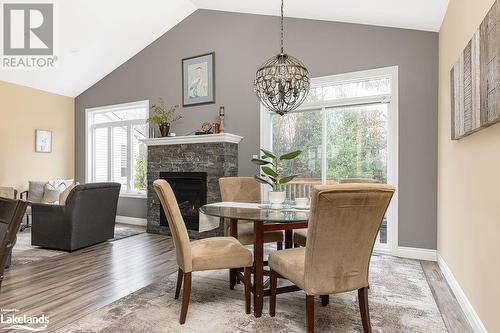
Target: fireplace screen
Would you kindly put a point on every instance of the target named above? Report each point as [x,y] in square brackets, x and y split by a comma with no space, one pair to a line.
[190,189]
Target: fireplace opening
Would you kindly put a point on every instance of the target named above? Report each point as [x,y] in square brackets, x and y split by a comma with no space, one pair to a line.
[190,189]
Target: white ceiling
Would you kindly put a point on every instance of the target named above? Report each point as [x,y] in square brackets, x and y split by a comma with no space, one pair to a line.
[93,37]
[410,14]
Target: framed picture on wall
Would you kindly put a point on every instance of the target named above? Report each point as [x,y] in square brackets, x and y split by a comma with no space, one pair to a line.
[43,141]
[198,80]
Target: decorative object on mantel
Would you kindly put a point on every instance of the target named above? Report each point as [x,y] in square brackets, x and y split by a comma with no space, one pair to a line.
[43,141]
[271,166]
[198,80]
[206,128]
[475,80]
[222,114]
[163,117]
[282,82]
[216,128]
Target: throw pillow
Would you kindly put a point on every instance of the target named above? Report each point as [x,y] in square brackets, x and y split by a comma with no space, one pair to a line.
[50,194]
[64,194]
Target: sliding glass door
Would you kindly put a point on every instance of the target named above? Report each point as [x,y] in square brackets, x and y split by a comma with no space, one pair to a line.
[346,129]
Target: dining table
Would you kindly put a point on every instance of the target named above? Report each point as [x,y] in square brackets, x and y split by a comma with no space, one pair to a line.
[264,218]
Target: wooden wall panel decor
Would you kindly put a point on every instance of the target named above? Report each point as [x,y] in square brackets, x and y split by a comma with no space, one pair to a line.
[475,79]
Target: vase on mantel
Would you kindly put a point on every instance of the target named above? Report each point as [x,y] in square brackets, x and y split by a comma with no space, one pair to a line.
[164,129]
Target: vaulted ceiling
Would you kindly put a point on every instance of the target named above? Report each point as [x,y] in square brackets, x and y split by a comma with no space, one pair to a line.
[93,37]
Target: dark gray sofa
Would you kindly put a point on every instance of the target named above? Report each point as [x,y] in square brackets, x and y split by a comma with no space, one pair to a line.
[87,218]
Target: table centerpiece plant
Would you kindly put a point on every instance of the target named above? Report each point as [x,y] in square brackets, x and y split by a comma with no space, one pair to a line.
[163,116]
[271,167]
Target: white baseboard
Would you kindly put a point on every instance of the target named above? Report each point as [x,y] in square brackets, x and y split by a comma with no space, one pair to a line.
[415,253]
[131,220]
[470,313]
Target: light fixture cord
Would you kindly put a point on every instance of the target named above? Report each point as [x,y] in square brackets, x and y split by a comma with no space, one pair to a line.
[281,26]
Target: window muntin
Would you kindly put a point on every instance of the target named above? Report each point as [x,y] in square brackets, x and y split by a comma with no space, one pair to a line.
[116,153]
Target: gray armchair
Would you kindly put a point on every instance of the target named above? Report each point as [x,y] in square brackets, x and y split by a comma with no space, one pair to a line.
[87,218]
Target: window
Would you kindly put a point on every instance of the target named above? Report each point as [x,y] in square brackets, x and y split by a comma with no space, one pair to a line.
[346,128]
[114,150]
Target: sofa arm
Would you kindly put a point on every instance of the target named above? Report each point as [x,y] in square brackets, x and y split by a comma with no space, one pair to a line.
[50,226]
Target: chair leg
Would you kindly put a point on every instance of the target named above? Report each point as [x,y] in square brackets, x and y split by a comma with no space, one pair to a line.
[272,299]
[325,300]
[310,313]
[363,308]
[248,276]
[180,275]
[186,293]
[279,246]
[232,278]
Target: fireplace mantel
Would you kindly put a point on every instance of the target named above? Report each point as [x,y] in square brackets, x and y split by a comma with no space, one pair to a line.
[189,139]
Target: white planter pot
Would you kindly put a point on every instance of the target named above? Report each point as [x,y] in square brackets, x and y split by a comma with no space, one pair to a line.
[277,199]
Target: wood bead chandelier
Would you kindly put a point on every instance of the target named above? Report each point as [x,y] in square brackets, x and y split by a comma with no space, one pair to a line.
[282,82]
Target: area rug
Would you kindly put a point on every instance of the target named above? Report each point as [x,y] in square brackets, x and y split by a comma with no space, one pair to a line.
[24,253]
[400,301]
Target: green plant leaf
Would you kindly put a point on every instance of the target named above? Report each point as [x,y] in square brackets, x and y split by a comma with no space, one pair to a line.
[285,180]
[270,172]
[268,153]
[260,162]
[290,155]
[262,180]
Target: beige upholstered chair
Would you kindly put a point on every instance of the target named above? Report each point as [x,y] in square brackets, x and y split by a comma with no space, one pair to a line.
[245,189]
[343,227]
[300,235]
[200,255]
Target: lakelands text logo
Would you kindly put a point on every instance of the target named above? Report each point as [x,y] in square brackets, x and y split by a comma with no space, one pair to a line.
[9,320]
[28,35]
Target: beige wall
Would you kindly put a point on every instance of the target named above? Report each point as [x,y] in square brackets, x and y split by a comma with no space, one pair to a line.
[22,110]
[468,180]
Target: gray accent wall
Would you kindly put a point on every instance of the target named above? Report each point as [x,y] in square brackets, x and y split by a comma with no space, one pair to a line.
[241,43]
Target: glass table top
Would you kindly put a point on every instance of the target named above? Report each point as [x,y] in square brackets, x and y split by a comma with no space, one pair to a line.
[256,213]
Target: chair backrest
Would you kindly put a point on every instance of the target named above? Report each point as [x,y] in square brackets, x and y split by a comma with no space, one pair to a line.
[358,181]
[7,192]
[343,226]
[239,189]
[176,224]
[11,215]
[92,209]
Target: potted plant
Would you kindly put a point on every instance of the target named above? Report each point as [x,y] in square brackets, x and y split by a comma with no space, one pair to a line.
[163,117]
[272,174]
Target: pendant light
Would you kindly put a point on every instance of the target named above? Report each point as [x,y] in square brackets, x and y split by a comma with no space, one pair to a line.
[282,82]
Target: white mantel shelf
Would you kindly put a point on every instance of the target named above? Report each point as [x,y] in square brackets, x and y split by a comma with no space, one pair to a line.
[190,139]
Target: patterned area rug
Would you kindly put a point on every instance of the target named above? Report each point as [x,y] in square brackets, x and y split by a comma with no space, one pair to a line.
[400,301]
[24,253]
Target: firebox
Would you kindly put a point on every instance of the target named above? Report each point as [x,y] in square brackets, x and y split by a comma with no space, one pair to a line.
[190,189]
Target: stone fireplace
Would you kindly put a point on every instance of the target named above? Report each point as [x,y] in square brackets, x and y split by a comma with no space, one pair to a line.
[192,165]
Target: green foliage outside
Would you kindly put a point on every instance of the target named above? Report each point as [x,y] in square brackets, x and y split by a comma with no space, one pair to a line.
[140,179]
[356,142]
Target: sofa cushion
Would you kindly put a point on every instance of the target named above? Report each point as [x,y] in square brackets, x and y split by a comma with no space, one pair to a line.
[64,194]
[54,188]
[35,189]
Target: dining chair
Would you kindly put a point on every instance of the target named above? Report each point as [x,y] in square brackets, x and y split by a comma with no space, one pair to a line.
[200,255]
[246,189]
[343,226]
[300,235]
[11,215]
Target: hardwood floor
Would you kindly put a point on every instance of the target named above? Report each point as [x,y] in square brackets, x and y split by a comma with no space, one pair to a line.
[72,285]
[453,316]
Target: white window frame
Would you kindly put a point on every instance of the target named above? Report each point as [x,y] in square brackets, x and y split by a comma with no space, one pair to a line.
[392,136]
[89,141]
